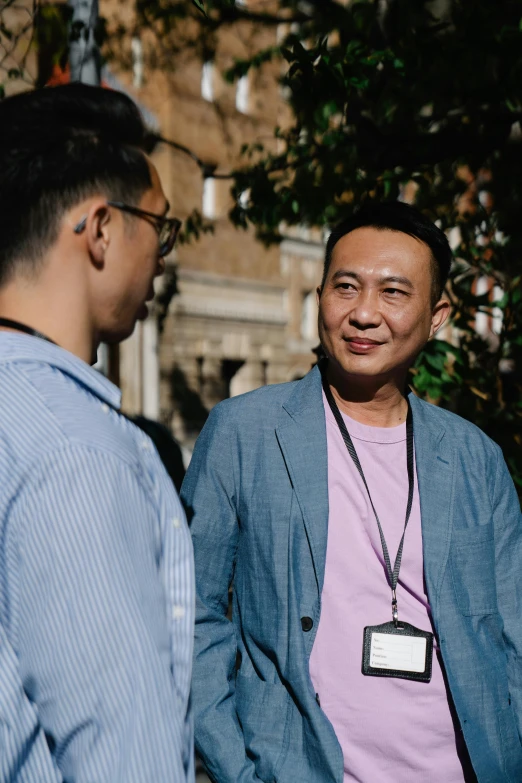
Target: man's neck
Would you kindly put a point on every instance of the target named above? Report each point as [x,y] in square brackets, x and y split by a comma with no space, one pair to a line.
[374,402]
[60,321]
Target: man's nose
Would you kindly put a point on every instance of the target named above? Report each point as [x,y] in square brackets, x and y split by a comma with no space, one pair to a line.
[365,312]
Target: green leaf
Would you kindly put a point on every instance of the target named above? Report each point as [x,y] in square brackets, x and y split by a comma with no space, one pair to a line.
[437,361]
[200,6]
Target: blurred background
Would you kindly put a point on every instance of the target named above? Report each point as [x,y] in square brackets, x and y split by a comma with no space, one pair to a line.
[271,120]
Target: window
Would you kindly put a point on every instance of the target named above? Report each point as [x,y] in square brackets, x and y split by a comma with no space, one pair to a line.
[137,62]
[481,319]
[244,199]
[207,81]
[209,206]
[243,94]
[308,316]
[485,322]
[229,369]
[498,316]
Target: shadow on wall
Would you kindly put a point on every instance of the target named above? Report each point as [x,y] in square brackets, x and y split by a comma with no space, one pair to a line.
[187,403]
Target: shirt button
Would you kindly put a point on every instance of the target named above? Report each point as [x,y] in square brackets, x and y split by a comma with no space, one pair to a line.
[176,522]
[178,612]
[105,407]
[145,445]
[307,623]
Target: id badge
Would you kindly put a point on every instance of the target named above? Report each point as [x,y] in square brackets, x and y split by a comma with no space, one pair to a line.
[400,650]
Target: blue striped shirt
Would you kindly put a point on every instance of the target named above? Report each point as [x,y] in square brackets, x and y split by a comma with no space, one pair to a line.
[96,583]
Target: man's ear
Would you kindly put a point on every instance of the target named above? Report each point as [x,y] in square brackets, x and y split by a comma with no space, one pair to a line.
[97,231]
[439,316]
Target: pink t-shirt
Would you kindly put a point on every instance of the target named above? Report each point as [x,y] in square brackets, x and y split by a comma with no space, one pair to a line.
[390,730]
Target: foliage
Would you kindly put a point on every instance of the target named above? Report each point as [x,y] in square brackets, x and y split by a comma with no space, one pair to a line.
[414,99]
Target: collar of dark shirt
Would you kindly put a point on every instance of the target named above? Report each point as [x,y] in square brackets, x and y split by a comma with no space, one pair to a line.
[20,348]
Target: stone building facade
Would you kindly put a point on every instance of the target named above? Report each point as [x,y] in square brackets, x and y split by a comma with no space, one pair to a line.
[245,315]
[228,334]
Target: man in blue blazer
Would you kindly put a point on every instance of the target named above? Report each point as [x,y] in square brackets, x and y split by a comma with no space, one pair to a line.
[374,544]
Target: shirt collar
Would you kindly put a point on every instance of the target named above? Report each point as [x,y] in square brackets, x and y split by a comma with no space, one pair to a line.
[24,348]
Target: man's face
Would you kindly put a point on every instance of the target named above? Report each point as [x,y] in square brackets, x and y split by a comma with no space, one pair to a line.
[133,263]
[375,309]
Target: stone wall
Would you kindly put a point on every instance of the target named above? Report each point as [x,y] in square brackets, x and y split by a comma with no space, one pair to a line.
[245,315]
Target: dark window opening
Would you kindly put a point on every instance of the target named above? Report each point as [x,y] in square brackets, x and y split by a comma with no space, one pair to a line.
[229,367]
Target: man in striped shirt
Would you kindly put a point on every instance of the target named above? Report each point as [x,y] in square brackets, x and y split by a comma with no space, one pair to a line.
[96,571]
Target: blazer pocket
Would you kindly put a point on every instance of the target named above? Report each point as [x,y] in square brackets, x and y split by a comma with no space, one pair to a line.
[262,710]
[472,561]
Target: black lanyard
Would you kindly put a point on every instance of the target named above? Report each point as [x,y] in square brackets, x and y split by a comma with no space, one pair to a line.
[393,575]
[19,327]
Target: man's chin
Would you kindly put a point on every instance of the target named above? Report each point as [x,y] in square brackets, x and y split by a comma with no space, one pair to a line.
[359,372]
[143,313]
[118,335]
[357,365]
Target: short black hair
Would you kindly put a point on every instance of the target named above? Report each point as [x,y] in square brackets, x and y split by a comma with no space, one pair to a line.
[58,146]
[398,216]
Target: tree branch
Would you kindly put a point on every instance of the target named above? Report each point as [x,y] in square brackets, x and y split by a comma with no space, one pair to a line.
[207,169]
[234,13]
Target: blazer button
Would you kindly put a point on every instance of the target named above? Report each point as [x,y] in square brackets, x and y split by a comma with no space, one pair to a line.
[307,623]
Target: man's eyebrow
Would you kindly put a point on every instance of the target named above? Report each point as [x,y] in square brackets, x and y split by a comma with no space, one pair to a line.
[396,279]
[382,280]
[346,273]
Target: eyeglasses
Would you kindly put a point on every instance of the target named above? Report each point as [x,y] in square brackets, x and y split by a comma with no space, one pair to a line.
[167,228]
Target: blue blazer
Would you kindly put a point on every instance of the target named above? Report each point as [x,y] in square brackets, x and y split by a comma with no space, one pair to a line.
[256,493]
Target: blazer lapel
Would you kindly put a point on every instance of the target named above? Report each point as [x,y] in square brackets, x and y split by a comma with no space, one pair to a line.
[435,474]
[302,438]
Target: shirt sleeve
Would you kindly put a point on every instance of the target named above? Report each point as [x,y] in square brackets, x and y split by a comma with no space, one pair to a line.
[89,621]
[24,755]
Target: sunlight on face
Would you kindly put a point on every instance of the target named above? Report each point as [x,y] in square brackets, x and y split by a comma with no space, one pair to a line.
[134,264]
[375,308]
